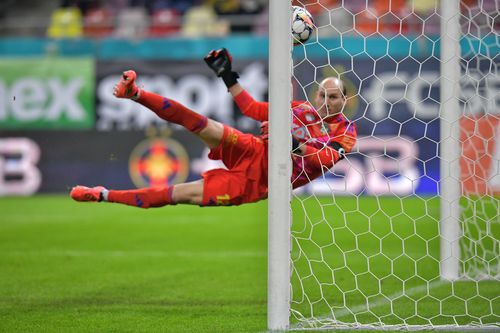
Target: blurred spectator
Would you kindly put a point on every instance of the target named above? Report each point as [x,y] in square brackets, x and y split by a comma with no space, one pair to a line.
[249,9]
[240,13]
[338,21]
[98,23]
[261,25]
[164,22]
[422,17]
[483,17]
[132,23]
[202,20]
[423,7]
[224,7]
[65,22]
[226,10]
[391,14]
[390,6]
[380,17]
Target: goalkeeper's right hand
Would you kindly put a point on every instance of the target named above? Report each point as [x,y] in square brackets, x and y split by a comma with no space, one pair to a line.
[220,61]
[297,147]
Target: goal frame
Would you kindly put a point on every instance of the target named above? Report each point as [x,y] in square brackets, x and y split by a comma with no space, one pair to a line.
[280,166]
[449,147]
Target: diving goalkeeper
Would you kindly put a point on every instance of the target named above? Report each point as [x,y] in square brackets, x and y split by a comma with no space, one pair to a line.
[321,137]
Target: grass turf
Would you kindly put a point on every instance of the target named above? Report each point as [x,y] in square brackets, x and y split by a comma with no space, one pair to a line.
[75,267]
[376,261]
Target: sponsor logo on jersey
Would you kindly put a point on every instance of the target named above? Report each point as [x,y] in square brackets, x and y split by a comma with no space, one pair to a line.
[232,138]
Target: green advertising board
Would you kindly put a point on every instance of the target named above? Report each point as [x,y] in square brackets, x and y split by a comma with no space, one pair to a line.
[47,93]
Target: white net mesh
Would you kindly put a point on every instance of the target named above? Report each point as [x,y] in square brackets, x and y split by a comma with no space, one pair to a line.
[366,235]
[480,23]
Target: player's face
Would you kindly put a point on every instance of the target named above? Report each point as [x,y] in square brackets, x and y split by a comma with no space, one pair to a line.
[329,99]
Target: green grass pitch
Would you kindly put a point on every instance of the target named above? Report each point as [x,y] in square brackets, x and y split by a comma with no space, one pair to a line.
[375,260]
[72,267]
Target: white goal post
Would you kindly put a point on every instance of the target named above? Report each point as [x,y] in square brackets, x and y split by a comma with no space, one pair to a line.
[280,164]
[450,191]
[354,250]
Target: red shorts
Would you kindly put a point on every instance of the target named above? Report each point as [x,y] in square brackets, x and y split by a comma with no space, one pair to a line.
[245,181]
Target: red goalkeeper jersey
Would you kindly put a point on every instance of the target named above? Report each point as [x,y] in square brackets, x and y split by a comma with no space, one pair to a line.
[326,140]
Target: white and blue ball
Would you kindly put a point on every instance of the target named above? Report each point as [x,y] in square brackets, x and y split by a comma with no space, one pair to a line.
[302,25]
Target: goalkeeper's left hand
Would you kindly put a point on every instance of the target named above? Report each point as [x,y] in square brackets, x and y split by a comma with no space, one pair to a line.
[220,61]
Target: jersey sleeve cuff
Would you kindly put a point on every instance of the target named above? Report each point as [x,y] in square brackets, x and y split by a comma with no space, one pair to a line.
[243,100]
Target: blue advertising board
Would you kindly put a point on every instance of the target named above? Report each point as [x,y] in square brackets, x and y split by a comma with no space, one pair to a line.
[396,106]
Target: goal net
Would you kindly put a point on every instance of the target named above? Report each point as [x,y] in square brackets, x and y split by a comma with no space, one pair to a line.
[404,233]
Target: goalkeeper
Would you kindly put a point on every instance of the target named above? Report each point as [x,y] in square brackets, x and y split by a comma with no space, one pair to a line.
[321,137]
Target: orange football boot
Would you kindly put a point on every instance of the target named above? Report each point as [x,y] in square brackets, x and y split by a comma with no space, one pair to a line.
[84,193]
[126,87]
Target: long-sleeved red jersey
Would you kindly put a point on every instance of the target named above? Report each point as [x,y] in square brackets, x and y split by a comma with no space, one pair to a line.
[326,140]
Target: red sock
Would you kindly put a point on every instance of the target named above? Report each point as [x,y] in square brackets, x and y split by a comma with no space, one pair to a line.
[173,111]
[143,198]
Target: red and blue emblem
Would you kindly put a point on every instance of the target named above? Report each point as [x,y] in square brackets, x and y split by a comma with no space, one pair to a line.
[158,162]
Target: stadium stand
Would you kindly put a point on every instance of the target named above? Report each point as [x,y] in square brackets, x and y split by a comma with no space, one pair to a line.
[98,23]
[159,18]
[164,22]
[132,23]
[66,22]
[202,20]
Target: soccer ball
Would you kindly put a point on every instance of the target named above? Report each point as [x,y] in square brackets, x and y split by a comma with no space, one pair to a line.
[302,25]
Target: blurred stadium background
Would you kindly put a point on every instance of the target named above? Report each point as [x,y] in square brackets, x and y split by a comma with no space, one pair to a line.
[61,59]
[65,266]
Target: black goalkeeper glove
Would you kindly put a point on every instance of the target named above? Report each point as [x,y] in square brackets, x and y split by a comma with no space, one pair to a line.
[220,62]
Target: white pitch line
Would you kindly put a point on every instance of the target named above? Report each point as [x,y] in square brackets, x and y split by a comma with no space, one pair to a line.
[381,302]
